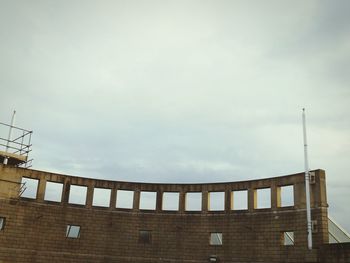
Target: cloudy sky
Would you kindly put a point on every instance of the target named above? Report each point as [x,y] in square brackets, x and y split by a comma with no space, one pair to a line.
[181,91]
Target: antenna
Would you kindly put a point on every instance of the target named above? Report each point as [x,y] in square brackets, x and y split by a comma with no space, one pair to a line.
[307,187]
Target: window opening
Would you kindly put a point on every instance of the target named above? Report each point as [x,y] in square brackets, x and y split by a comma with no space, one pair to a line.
[216,201]
[240,200]
[216,239]
[263,198]
[102,197]
[73,231]
[193,201]
[145,236]
[29,188]
[125,199]
[2,223]
[148,200]
[77,195]
[53,192]
[287,195]
[170,201]
[288,238]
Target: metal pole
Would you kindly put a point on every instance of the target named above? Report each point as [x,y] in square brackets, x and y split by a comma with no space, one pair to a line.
[9,136]
[307,187]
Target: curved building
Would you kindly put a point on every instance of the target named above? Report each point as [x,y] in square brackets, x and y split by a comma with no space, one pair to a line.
[48,217]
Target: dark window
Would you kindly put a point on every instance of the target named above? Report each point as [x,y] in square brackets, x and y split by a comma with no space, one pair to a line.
[145,236]
[73,231]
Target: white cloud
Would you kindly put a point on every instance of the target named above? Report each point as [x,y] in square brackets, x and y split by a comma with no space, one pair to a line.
[179,91]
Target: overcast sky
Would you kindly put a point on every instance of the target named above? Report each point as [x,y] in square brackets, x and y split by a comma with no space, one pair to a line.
[181,91]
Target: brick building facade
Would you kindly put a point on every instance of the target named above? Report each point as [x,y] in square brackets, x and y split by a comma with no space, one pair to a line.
[37,228]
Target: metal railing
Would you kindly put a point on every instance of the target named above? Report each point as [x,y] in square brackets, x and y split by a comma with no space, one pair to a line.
[20,145]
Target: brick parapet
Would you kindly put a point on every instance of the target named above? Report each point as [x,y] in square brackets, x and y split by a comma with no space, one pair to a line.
[111,234]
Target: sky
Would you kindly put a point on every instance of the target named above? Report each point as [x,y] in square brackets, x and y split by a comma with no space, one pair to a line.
[181,91]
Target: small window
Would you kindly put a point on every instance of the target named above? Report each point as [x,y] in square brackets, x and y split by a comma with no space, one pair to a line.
[287,238]
[145,236]
[193,201]
[29,188]
[73,231]
[125,199]
[2,223]
[216,239]
[53,192]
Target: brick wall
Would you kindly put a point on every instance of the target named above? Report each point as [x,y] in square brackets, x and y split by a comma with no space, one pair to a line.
[35,229]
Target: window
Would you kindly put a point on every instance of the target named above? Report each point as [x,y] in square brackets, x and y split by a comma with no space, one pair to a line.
[148,200]
[193,201]
[77,195]
[29,188]
[170,201]
[263,198]
[73,231]
[287,238]
[53,192]
[287,195]
[2,223]
[125,199]
[101,197]
[216,239]
[240,200]
[216,201]
[145,236]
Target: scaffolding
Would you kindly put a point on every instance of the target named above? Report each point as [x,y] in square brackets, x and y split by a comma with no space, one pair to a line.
[15,151]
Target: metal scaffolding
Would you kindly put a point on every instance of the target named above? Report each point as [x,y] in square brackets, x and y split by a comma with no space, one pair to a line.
[15,151]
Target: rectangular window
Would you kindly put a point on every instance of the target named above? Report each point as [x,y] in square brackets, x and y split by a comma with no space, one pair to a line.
[216,239]
[193,201]
[77,195]
[145,236]
[170,201]
[125,199]
[240,200]
[148,200]
[263,197]
[102,197]
[216,201]
[73,231]
[287,238]
[287,195]
[2,223]
[29,188]
[53,192]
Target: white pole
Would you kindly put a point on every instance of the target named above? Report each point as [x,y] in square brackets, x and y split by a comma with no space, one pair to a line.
[307,187]
[9,136]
